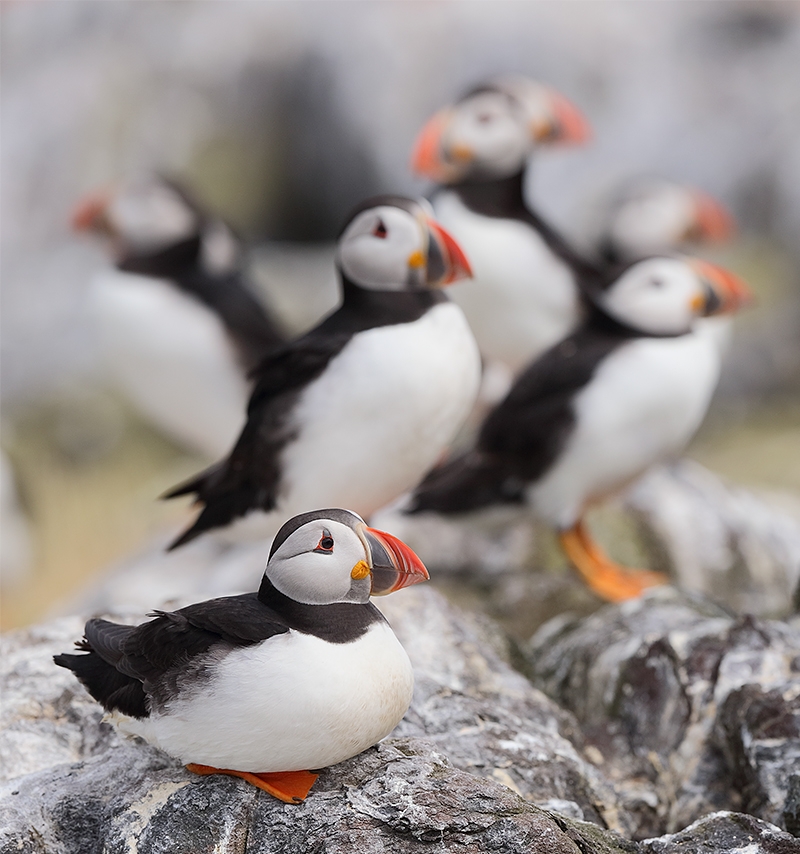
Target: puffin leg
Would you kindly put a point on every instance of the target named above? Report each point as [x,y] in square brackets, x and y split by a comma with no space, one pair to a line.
[607,579]
[291,787]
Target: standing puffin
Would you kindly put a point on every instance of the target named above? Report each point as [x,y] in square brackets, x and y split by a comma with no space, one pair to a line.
[178,326]
[652,215]
[355,411]
[525,294]
[264,686]
[626,390]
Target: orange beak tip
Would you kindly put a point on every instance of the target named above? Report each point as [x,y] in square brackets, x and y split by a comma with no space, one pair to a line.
[571,126]
[88,211]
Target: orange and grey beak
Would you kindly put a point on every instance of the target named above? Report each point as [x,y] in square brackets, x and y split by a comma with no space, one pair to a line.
[712,222]
[392,563]
[725,292]
[91,213]
[427,157]
[565,125]
[446,262]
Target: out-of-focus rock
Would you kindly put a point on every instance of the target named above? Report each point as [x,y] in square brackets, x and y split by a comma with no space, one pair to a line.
[736,546]
[678,694]
[722,540]
[724,831]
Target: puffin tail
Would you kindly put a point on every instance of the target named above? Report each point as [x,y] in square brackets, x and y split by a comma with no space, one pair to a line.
[116,691]
[466,483]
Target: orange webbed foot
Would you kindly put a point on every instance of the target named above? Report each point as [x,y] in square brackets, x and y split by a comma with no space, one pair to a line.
[291,787]
[607,579]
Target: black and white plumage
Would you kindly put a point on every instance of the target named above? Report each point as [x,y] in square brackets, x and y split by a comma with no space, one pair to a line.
[652,215]
[355,412]
[626,390]
[301,675]
[178,326]
[525,292]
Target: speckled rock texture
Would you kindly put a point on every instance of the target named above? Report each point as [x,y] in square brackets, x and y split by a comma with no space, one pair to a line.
[483,761]
[694,705]
[469,706]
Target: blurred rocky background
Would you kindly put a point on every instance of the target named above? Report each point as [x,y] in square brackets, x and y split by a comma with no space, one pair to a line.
[281,115]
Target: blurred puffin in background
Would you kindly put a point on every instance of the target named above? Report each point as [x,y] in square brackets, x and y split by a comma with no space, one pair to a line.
[304,674]
[178,326]
[525,292]
[354,412]
[651,215]
[626,390]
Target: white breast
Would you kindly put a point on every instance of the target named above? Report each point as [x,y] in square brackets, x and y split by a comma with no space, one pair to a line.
[291,703]
[171,357]
[643,404]
[381,414]
[523,297]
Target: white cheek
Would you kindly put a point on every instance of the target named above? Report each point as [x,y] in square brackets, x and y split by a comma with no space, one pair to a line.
[370,264]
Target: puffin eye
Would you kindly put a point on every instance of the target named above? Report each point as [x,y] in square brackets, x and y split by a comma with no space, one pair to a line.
[325,544]
[484,118]
[379,230]
[656,282]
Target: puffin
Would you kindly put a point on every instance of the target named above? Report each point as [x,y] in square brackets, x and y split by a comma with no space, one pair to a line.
[178,326]
[265,686]
[626,390]
[354,412]
[525,292]
[649,215]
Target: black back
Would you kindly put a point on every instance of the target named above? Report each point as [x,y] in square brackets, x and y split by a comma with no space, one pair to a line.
[524,435]
[250,478]
[253,333]
[138,669]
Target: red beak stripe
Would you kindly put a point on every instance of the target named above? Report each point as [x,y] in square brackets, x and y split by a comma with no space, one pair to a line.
[457,262]
[406,568]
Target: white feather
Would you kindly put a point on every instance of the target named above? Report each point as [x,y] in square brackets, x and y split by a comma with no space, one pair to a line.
[523,298]
[171,357]
[643,404]
[293,702]
[377,419]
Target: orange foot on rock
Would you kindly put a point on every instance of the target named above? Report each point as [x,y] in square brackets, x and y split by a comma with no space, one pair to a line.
[292,787]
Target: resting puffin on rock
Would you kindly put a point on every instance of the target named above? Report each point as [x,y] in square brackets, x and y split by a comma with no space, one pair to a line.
[652,215]
[357,410]
[626,390]
[525,293]
[304,674]
[178,327]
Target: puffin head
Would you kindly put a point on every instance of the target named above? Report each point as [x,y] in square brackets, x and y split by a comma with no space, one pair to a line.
[654,215]
[391,243]
[144,219]
[331,556]
[490,132]
[665,295]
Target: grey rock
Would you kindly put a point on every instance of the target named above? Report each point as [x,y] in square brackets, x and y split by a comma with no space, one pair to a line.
[402,796]
[741,548]
[468,705]
[732,833]
[678,695]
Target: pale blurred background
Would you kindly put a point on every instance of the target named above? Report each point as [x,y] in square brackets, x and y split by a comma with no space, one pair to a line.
[282,115]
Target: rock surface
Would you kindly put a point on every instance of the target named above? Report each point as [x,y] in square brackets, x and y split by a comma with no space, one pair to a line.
[677,694]
[469,705]
[482,762]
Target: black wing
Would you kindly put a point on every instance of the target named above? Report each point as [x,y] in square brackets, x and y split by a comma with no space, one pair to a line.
[127,666]
[522,437]
[250,477]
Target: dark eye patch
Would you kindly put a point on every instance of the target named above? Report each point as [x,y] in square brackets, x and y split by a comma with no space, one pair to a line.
[379,230]
[325,544]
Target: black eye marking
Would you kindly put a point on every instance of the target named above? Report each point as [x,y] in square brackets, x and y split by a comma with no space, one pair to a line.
[485,118]
[379,230]
[325,544]
[656,282]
